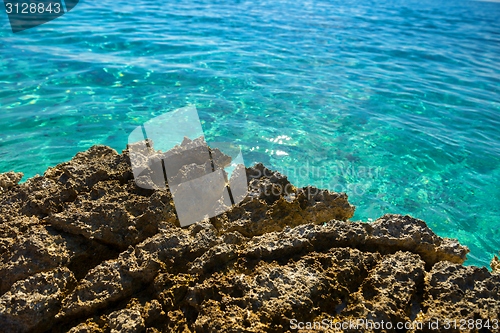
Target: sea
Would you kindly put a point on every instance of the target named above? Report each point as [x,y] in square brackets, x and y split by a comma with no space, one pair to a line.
[396,103]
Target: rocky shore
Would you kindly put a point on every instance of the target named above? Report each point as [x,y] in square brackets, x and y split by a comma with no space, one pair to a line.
[83,249]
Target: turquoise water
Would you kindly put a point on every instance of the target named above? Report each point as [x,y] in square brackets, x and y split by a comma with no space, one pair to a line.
[396,103]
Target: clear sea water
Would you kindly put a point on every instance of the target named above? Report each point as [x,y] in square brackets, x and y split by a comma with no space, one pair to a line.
[396,103]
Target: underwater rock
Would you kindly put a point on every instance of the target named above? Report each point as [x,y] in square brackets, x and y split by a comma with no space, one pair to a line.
[84,249]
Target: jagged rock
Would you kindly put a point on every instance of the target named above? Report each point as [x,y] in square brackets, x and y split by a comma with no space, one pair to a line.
[84,249]
[51,193]
[495,265]
[31,304]
[455,292]
[115,216]
[376,237]
[390,291]
[9,179]
[407,233]
[264,296]
[88,327]
[126,321]
[29,247]
[10,231]
[32,252]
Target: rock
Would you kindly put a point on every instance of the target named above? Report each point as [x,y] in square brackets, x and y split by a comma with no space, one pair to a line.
[389,292]
[388,234]
[89,327]
[11,230]
[51,193]
[407,233]
[9,179]
[31,253]
[495,265]
[114,215]
[31,304]
[261,295]
[29,247]
[126,321]
[83,249]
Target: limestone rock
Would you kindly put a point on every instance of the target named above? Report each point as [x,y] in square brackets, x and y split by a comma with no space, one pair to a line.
[33,252]
[31,304]
[83,249]
[495,265]
[455,292]
[126,321]
[9,179]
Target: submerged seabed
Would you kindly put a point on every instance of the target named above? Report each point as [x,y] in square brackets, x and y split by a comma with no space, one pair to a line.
[395,103]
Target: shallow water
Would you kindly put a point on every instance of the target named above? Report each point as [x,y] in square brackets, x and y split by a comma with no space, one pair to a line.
[396,103]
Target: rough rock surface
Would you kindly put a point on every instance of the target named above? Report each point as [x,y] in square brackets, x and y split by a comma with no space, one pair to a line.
[9,179]
[83,249]
[495,265]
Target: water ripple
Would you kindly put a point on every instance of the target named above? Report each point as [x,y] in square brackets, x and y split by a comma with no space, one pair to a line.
[396,103]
